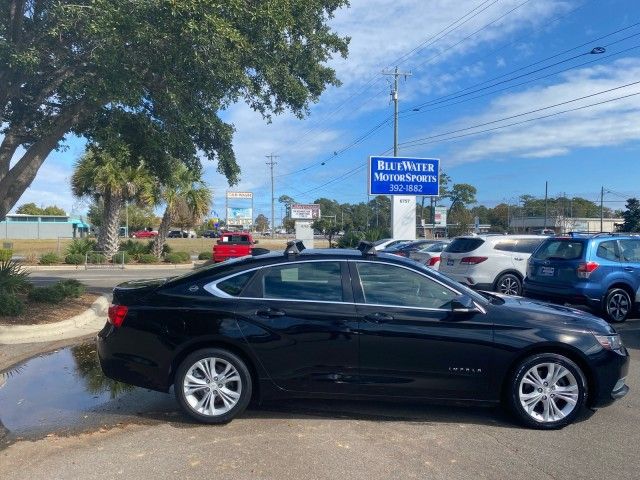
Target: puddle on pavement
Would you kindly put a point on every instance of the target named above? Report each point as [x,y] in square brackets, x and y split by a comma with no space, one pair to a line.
[65,392]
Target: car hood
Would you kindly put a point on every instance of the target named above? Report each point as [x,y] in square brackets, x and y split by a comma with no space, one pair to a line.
[550,313]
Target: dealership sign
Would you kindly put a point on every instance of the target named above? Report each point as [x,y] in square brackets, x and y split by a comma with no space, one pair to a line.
[240,216]
[305,212]
[404,176]
[246,195]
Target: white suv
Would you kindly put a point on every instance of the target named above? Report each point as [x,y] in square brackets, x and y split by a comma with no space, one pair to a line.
[490,262]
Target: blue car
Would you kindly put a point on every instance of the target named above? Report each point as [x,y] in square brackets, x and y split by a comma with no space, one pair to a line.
[602,271]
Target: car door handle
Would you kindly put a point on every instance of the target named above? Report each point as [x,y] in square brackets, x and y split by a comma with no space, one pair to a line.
[518,259]
[378,317]
[270,313]
[629,269]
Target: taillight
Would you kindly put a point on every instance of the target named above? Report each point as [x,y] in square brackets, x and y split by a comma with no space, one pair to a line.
[433,261]
[116,314]
[585,270]
[472,260]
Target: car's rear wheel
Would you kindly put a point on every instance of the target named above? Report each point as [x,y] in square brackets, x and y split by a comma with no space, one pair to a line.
[547,391]
[617,305]
[213,385]
[509,284]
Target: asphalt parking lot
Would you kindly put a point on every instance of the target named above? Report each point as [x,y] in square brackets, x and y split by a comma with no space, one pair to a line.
[62,419]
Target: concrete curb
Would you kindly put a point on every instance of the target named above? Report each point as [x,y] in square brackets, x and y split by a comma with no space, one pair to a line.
[80,268]
[88,322]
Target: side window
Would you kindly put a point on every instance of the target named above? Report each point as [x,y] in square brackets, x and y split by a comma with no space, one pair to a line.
[505,246]
[320,281]
[630,250]
[385,284]
[527,245]
[233,286]
[608,251]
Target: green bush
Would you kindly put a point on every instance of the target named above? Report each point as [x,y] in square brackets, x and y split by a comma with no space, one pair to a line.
[134,249]
[5,254]
[350,240]
[13,277]
[57,292]
[96,258]
[10,305]
[81,246]
[205,255]
[177,257]
[121,257]
[50,258]
[74,259]
[148,258]
[71,288]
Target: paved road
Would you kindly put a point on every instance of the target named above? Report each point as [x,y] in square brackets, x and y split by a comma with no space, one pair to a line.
[141,434]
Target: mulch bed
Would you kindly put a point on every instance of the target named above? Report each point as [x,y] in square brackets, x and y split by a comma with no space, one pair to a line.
[37,313]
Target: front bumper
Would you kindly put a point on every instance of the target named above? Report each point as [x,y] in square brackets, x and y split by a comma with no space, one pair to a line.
[609,375]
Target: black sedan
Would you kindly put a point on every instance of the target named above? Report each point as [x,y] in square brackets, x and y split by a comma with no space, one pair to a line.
[353,324]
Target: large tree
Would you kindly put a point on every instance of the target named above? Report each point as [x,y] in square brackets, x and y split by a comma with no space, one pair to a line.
[33,209]
[631,216]
[65,64]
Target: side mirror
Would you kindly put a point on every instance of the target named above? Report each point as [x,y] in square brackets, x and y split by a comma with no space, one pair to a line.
[463,304]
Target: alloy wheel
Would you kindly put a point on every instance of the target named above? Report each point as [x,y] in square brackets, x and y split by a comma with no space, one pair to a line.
[548,392]
[509,285]
[212,386]
[618,306]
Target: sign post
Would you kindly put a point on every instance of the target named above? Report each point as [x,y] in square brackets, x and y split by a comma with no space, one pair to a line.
[304,216]
[403,178]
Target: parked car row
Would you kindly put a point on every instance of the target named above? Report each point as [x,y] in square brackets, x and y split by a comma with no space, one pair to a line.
[601,271]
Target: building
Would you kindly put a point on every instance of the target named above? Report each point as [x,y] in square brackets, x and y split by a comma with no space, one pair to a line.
[560,224]
[19,226]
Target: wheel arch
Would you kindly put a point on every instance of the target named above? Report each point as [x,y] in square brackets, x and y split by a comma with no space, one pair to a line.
[226,345]
[512,271]
[622,285]
[571,353]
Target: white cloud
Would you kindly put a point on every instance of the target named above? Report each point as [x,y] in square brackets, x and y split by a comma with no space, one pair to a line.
[609,124]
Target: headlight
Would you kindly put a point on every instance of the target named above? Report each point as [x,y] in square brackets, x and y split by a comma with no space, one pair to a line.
[610,342]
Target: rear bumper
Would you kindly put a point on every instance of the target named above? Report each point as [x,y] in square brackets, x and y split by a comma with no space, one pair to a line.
[473,281]
[578,294]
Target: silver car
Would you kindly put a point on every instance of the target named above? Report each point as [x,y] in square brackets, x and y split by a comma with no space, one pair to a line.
[429,254]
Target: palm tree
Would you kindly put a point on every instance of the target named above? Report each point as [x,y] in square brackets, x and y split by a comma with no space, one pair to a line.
[184,192]
[113,178]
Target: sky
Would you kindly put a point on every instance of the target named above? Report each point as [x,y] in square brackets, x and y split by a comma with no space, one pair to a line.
[508,94]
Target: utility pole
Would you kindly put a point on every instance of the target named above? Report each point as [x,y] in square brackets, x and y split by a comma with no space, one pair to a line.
[271,164]
[396,200]
[601,209]
[546,196]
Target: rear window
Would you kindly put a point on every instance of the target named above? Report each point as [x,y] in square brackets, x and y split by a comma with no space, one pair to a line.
[235,239]
[464,245]
[559,249]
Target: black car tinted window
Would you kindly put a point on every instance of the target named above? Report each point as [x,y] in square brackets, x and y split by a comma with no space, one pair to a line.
[464,245]
[506,246]
[630,250]
[527,245]
[233,286]
[560,249]
[384,284]
[320,281]
[608,250]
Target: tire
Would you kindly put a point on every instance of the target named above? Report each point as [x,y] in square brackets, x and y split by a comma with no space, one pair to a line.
[509,284]
[617,305]
[524,388]
[230,397]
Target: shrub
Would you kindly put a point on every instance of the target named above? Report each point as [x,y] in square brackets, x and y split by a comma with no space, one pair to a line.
[205,256]
[74,259]
[134,249]
[350,240]
[81,246]
[177,257]
[148,258]
[70,288]
[50,258]
[165,248]
[96,258]
[10,305]
[57,292]
[13,277]
[5,254]
[121,257]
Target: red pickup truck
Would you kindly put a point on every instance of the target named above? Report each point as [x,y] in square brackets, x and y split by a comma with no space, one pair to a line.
[233,245]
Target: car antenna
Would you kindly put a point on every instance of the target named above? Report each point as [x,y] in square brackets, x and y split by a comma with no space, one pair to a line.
[294,247]
[367,248]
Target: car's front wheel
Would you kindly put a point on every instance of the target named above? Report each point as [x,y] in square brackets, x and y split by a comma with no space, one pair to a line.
[509,284]
[617,305]
[213,385]
[547,391]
